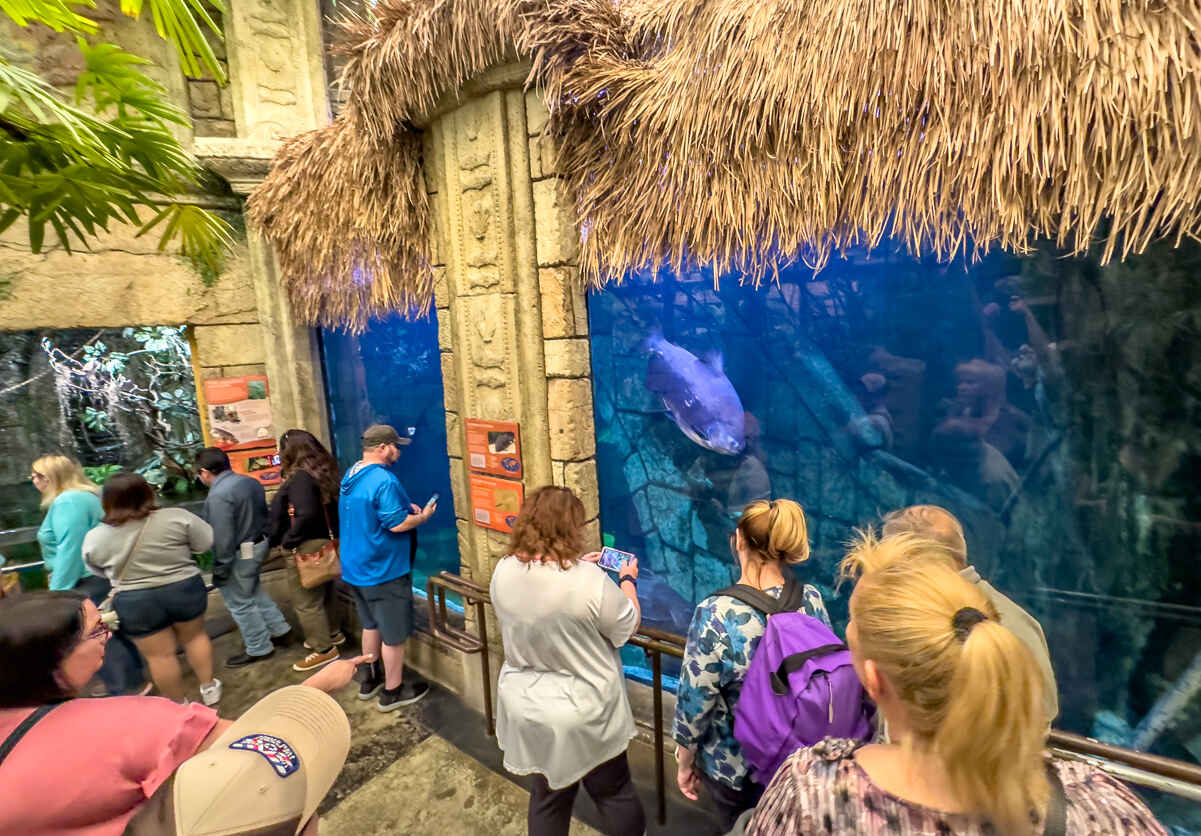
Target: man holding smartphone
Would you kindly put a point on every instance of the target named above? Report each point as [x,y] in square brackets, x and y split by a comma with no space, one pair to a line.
[378,544]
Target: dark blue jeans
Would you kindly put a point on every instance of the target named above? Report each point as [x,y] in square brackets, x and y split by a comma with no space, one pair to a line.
[123,670]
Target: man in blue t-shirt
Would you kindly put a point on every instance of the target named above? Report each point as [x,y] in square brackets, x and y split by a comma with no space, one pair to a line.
[378,542]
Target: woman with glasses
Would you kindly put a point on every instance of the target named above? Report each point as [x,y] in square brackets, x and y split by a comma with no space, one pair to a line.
[88,766]
[146,552]
[72,503]
[723,636]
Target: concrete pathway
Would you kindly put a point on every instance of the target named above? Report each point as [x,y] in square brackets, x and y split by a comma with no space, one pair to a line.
[435,789]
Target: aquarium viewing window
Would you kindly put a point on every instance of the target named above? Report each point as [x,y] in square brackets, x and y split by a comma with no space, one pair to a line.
[1052,404]
[391,374]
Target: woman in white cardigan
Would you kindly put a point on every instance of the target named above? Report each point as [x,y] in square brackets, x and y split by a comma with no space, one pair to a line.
[563,714]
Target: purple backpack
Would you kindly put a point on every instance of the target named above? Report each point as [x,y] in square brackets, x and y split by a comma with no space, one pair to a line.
[800,687]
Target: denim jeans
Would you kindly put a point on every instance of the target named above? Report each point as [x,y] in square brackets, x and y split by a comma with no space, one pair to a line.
[253,611]
[123,670]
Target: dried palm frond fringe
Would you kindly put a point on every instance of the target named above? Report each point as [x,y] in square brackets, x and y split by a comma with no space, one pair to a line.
[747,135]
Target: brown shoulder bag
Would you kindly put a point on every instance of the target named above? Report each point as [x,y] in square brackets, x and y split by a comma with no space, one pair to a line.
[322,566]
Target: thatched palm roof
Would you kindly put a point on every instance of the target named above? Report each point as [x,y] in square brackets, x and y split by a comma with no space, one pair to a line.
[746,135]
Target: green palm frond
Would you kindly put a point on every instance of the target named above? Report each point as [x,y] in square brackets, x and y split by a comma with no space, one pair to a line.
[73,174]
[57,14]
[179,21]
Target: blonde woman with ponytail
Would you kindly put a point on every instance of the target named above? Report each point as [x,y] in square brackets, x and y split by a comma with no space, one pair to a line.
[962,696]
[722,638]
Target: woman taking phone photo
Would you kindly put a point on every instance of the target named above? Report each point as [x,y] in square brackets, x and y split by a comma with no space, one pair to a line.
[562,714]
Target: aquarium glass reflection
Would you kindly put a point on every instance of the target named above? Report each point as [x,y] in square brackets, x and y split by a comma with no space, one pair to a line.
[1052,404]
[392,374]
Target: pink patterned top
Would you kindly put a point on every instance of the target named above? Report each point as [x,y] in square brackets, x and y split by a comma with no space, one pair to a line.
[823,790]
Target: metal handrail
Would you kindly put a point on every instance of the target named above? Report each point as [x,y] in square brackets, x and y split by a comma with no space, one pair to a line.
[1164,774]
[472,594]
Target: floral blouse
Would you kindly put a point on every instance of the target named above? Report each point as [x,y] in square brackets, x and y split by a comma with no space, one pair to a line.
[721,641]
[822,789]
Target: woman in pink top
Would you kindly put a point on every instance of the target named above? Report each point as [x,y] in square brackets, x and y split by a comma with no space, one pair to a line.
[87,765]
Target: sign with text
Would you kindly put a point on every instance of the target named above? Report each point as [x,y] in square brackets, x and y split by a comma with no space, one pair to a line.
[239,412]
[495,503]
[494,447]
[261,464]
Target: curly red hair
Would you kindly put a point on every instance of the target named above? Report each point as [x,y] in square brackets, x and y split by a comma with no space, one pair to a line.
[549,527]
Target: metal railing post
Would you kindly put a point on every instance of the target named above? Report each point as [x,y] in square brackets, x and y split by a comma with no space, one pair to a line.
[657,678]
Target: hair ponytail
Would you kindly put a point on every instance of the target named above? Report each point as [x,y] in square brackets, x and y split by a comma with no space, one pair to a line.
[775,530]
[971,689]
[991,738]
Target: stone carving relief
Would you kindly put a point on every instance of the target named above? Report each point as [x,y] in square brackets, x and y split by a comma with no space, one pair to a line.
[487,320]
[269,51]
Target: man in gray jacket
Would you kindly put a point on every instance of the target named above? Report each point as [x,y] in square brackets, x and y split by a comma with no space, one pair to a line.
[941,526]
[236,508]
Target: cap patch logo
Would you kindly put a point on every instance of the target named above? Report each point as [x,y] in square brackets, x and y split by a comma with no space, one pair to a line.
[280,755]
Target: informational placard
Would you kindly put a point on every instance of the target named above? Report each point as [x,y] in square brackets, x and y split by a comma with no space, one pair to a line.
[494,447]
[239,412]
[261,464]
[495,503]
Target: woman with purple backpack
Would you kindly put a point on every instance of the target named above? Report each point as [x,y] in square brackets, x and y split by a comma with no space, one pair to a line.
[722,638]
[963,699]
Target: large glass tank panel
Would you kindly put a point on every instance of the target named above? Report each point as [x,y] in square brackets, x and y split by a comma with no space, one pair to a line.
[392,374]
[1053,405]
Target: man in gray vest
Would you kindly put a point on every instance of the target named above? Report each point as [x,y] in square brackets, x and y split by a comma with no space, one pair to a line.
[941,526]
[236,508]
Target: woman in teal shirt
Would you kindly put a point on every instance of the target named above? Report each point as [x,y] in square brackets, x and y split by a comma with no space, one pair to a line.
[72,503]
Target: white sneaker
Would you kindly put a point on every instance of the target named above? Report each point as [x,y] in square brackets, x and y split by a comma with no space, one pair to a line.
[211,693]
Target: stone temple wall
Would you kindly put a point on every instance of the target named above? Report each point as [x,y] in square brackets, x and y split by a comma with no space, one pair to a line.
[240,324]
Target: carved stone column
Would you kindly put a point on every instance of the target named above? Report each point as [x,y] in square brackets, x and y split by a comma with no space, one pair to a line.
[512,322]
[291,355]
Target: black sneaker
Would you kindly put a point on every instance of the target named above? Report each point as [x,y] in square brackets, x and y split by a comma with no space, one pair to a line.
[244,659]
[406,694]
[371,679]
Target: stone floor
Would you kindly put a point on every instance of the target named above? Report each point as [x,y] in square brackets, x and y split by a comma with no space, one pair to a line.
[425,769]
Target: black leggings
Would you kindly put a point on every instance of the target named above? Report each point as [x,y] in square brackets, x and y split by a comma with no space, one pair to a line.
[610,786]
[731,803]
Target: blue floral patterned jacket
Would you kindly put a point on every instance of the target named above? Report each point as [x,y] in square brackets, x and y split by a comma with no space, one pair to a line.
[722,639]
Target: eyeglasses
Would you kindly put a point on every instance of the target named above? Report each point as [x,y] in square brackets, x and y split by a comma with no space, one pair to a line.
[100,631]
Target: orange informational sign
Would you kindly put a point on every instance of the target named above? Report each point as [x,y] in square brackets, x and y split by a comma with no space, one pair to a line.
[494,447]
[495,503]
[261,464]
[239,412]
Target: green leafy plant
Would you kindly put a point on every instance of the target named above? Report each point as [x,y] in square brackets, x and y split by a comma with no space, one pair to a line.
[73,168]
[100,473]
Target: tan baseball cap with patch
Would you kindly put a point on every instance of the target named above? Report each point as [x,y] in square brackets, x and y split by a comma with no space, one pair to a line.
[265,776]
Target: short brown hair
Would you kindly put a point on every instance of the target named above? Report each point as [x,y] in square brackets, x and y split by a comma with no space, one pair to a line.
[931,522]
[550,526]
[125,497]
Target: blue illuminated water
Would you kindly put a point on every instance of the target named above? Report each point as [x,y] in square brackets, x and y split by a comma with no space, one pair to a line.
[1067,441]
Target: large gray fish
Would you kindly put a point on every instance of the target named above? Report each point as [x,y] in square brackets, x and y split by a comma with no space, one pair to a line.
[697,394]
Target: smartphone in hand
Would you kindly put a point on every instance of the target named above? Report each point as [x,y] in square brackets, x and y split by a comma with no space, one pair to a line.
[614,559]
[433,500]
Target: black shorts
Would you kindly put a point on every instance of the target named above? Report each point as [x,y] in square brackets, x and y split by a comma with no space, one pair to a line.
[147,611]
[387,607]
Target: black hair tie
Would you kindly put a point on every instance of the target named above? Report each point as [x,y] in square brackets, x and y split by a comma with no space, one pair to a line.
[964,620]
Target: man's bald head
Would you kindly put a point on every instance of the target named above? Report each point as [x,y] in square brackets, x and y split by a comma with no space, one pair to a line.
[931,522]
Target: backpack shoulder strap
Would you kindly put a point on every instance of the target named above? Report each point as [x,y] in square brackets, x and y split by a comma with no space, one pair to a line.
[752,597]
[793,663]
[791,599]
[22,729]
[1057,806]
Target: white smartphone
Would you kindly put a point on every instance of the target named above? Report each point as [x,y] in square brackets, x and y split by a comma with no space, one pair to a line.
[614,559]
[433,499]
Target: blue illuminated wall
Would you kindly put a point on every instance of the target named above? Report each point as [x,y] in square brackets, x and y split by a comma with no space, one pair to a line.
[391,374]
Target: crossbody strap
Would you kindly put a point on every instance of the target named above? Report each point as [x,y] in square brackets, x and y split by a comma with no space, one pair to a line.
[1057,806]
[120,575]
[22,729]
[328,525]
